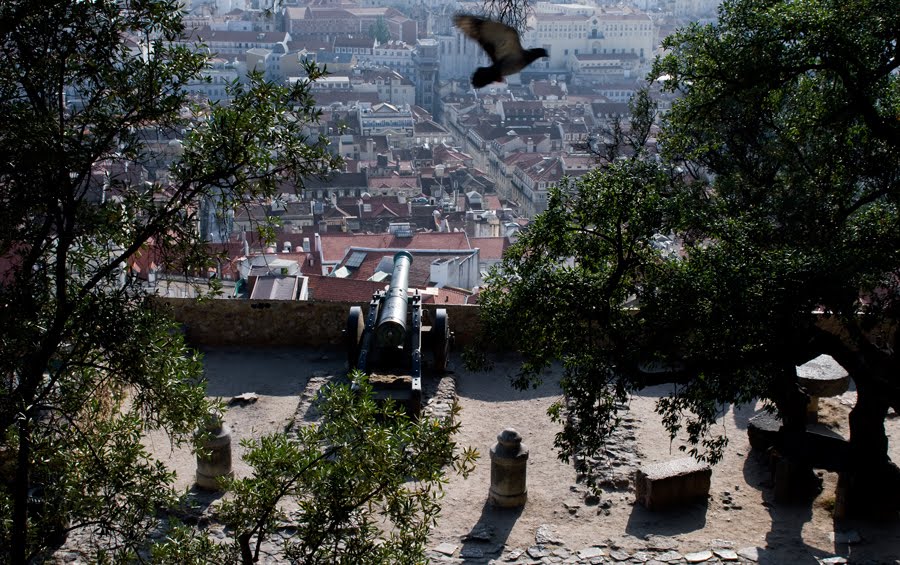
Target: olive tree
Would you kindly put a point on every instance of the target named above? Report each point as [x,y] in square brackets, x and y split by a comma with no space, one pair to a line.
[787,244]
[364,484]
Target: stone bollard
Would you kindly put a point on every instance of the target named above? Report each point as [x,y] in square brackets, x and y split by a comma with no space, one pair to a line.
[508,465]
[215,463]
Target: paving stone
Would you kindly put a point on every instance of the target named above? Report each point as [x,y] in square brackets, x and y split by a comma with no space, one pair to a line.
[698,556]
[641,557]
[726,554]
[537,552]
[481,532]
[660,543]
[513,555]
[446,548]
[749,553]
[619,555]
[590,553]
[668,556]
[721,544]
[470,552]
[544,536]
[561,552]
[836,560]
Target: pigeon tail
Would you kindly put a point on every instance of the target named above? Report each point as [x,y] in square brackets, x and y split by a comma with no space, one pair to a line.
[486,75]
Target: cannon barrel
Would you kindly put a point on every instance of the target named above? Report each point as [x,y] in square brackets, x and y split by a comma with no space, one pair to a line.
[391,328]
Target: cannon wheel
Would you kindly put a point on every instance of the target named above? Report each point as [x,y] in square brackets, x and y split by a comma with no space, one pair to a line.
[355,328]
[440,339]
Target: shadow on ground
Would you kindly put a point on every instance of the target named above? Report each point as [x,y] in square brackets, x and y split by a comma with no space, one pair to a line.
[681,520]
[489,534]
[495,384]
[273,372]
[784,540]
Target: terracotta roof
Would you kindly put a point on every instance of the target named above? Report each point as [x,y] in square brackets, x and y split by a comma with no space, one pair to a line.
[336,245]
[379,206]
[523,159]
[394,182]
[334,289]
[491,202]
[429,126]
[490,248]
[546,88]
[447,296]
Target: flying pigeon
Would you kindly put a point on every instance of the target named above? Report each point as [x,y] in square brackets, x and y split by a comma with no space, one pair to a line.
[502,45]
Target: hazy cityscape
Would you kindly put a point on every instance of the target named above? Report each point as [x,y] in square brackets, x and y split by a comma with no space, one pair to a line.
[430,164]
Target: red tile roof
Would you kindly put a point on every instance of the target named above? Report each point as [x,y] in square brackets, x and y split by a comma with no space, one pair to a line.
[490,248]
[447,296]
[491,202]
[336,245]
[333,289]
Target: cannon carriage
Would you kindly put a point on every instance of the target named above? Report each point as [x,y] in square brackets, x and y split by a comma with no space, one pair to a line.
[388,342]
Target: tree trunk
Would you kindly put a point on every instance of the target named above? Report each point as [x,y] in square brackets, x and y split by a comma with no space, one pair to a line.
[868,439]
[870,487]
[19,549]
[795,480]
[246,553]
[790,401]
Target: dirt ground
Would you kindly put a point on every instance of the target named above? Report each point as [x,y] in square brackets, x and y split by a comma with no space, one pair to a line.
[740,508]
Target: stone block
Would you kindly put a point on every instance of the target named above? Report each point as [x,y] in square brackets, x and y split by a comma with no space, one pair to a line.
[672,483]
[763,430]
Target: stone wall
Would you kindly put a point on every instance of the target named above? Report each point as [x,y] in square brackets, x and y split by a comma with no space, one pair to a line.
[277,323]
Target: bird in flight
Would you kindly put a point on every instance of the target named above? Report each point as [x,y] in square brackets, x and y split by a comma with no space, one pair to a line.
[502,45]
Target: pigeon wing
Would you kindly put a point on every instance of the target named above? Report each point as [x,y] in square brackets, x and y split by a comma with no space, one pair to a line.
[498,40]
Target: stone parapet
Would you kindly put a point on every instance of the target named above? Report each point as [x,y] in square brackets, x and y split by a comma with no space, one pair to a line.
[283,323]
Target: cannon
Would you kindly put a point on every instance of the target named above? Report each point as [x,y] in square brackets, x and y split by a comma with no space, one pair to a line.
[387,343]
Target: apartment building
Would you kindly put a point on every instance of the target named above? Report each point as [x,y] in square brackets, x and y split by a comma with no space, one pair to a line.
[386,119]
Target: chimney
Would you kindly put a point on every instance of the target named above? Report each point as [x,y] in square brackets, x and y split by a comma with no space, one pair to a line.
[306,245]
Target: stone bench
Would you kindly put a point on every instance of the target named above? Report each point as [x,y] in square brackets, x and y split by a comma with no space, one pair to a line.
[672,483]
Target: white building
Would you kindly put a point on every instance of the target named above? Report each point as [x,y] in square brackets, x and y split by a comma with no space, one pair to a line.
[565,30]
[386,119]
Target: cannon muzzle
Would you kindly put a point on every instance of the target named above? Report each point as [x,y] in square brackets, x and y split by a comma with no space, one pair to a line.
[391,328]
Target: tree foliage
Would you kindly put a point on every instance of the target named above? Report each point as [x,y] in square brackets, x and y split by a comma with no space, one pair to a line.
[87,364]
[563,290]
[789,241]
[380,31]
[366,483]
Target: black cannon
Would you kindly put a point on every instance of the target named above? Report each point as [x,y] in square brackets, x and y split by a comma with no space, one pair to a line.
[387,344]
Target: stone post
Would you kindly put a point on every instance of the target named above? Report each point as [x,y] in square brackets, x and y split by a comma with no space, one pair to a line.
[215,461]
[509,459]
